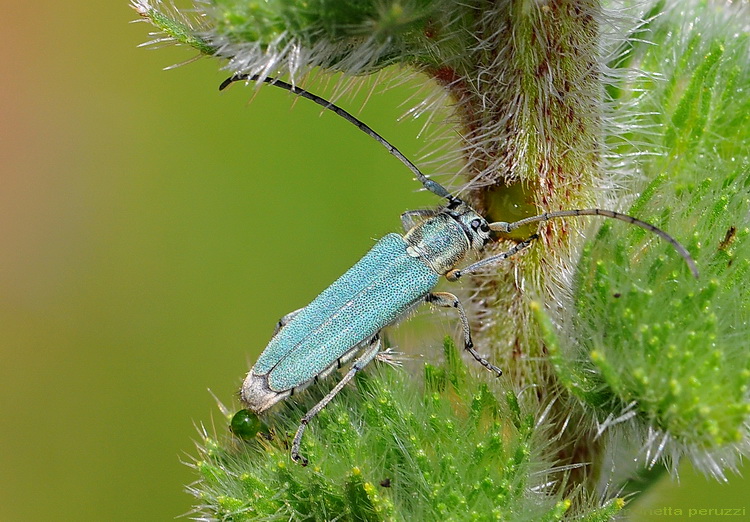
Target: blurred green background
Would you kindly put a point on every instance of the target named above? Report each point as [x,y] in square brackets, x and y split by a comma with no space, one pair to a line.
[152,232]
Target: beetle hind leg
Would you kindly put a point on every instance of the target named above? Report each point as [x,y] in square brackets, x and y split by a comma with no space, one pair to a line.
[362,361]
[448,300]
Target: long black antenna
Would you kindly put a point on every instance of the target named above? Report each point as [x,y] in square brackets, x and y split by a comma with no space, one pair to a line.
[432,186]
[502,226]
[438,189]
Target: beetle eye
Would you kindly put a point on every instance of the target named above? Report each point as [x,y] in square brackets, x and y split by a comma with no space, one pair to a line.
[485,227]
[475,224]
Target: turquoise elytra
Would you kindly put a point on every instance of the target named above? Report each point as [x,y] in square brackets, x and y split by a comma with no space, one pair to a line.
[375,292]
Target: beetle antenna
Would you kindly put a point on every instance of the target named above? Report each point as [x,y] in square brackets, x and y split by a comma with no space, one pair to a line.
[429,184]
[502,226]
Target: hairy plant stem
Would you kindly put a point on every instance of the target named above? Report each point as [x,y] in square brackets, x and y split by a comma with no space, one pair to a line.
[531,124]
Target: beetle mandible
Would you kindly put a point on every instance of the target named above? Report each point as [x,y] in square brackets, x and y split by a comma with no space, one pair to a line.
[397,274]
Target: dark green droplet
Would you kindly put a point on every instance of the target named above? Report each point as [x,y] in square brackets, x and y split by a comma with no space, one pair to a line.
[246,425]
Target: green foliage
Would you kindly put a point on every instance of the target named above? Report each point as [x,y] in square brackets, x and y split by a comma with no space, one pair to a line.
[651,334]
[313,21]
[392,449]
[361,36]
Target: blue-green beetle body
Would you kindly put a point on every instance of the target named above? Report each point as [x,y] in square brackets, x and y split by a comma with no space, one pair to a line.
[398,273]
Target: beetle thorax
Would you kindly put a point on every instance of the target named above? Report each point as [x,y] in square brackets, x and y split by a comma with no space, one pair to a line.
[444,240]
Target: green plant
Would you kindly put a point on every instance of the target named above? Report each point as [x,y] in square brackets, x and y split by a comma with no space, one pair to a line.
[616,361]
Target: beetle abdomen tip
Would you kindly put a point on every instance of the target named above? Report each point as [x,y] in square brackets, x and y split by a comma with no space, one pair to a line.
[257,395]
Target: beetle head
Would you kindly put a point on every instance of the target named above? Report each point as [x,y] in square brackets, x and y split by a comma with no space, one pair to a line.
[475,227]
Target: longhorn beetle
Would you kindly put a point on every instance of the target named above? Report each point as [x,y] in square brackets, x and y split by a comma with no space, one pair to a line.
[397,274]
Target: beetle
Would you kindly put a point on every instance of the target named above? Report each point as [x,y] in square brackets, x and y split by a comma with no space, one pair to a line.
[397,274]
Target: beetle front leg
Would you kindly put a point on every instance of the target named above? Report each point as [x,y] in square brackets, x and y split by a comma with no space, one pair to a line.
[448,300]
[455,274]
[360,363]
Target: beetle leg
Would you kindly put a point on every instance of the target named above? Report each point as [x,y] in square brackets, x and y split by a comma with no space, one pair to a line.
[448,300]
[285,320]
[454,275]
[369,354]
[410,218]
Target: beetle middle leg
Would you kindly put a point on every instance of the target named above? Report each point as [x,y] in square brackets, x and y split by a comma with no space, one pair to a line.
[448,300]
[363,360]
